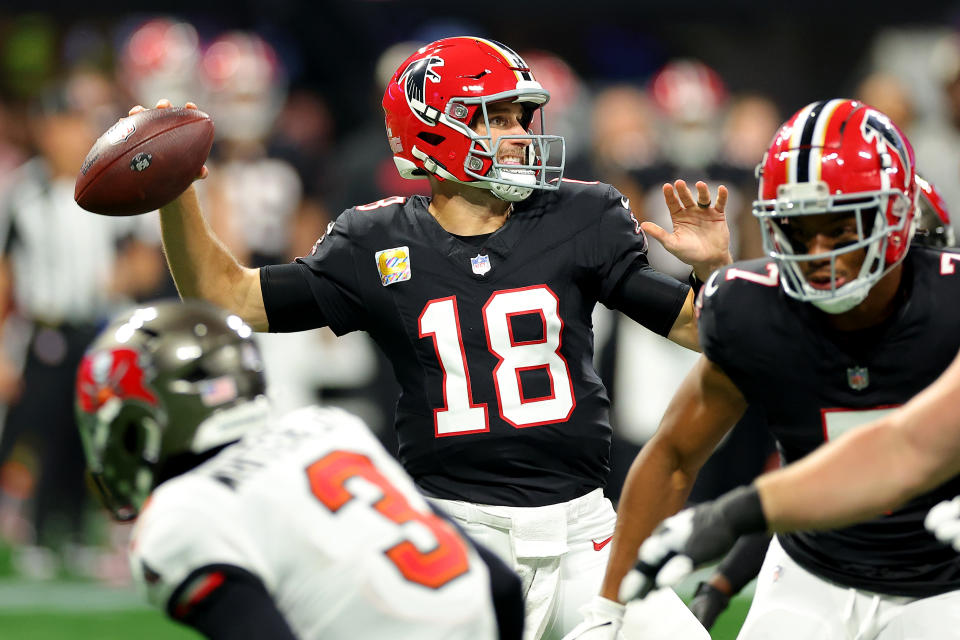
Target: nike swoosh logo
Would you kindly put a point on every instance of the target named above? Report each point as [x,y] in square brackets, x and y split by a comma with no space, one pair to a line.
[597,546]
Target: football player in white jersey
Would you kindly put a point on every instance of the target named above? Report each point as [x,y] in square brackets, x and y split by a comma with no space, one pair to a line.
[253,526]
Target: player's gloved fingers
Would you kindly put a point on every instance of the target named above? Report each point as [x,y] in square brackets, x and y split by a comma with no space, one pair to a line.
[708,603]
[947,531]
[635,586]
[942,512]
[674,570]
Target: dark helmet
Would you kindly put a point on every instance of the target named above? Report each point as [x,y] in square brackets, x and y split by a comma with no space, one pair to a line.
[160,389]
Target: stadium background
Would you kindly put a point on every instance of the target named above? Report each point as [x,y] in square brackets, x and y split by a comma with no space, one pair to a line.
[788,55]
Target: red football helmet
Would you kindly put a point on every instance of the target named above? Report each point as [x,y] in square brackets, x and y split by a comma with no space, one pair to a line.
[933,219]
[440,91]
[843,157]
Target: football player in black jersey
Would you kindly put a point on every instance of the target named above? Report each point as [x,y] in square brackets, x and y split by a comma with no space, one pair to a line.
[803,487]
[829,333]
[481,296]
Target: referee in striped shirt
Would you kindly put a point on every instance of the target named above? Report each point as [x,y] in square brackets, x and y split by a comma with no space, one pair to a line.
[61,272]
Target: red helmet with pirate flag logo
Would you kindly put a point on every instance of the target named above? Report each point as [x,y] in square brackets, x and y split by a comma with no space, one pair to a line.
[161,385]
[439,94]
[841,157]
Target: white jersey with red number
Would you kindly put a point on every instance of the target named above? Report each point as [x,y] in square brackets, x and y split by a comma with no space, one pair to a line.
[330,523]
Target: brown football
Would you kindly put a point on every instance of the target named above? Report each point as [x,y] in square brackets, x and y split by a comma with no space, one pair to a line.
[144,161]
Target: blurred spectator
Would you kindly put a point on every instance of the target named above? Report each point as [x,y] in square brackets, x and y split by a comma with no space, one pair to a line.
[886,92]
[367,172]
[160,58]
[62,270]
[697,133]
[259,207]
[569,108]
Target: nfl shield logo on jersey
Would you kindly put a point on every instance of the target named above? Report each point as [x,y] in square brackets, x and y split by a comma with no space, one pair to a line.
[393,265]
[858,378]
[480,264]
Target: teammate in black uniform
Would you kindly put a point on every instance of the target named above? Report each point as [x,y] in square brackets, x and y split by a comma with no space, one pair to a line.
[481,296]
[832,332]
[743,562]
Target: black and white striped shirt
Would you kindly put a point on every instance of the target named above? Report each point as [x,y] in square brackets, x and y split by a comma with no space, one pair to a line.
[62,257]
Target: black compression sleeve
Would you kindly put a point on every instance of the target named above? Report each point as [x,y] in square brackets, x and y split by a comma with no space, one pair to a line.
[649,297]
[224,602]
[742,564]
[288,299]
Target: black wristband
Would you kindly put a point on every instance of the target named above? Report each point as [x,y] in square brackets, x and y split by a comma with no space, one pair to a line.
[742,509]
[695,283]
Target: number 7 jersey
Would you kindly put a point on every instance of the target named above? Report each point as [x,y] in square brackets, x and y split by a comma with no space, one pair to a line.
[491,341]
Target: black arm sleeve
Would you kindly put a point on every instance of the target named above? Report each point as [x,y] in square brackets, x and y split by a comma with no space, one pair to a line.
[649,297]
[289,300]
[742,563]
[224,602]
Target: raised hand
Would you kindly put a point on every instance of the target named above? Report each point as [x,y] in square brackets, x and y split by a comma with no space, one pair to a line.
[691,538]
[163,103]
[700,234]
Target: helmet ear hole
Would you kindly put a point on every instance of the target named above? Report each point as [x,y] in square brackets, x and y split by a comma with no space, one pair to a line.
[433,139]
[131,438]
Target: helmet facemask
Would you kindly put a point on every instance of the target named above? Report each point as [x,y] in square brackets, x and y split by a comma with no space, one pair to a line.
[873,235]
[510,182]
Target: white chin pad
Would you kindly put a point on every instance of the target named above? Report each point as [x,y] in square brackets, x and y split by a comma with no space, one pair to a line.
[514,192]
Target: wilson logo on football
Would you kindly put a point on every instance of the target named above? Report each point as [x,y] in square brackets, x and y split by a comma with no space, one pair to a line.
[111,374]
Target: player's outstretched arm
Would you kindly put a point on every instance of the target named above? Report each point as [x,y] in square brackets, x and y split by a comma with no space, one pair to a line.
[700,237]
[706,405]
[879,466]
[200,264]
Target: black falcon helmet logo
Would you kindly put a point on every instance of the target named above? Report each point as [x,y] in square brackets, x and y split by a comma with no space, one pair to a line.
[414,81]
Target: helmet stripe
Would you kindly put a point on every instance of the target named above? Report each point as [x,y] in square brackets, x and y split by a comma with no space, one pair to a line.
[802,170]
[820,136]
[511,57]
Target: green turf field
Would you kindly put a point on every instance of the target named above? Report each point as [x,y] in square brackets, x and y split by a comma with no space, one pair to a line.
[65,610]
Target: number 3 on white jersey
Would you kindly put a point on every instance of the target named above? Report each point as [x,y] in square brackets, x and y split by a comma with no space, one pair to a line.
[459,414]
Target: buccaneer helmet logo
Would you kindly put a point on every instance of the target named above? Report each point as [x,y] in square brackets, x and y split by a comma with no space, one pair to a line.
[111,374]
[414,82]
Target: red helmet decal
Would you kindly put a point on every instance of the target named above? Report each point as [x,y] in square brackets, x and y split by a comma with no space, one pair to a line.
[112,373]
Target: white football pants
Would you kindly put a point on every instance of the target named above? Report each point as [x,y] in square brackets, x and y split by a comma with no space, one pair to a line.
[560,552]
[793,604]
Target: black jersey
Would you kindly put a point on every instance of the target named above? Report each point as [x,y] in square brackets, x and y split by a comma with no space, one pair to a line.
[492,345]
[815,383]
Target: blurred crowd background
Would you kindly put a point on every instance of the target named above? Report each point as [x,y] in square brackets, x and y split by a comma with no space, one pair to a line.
[643,94]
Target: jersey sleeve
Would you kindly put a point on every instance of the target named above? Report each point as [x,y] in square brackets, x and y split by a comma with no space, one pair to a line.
[616,241]
[627,282]
[728,324]
[321,289]
[183,529]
